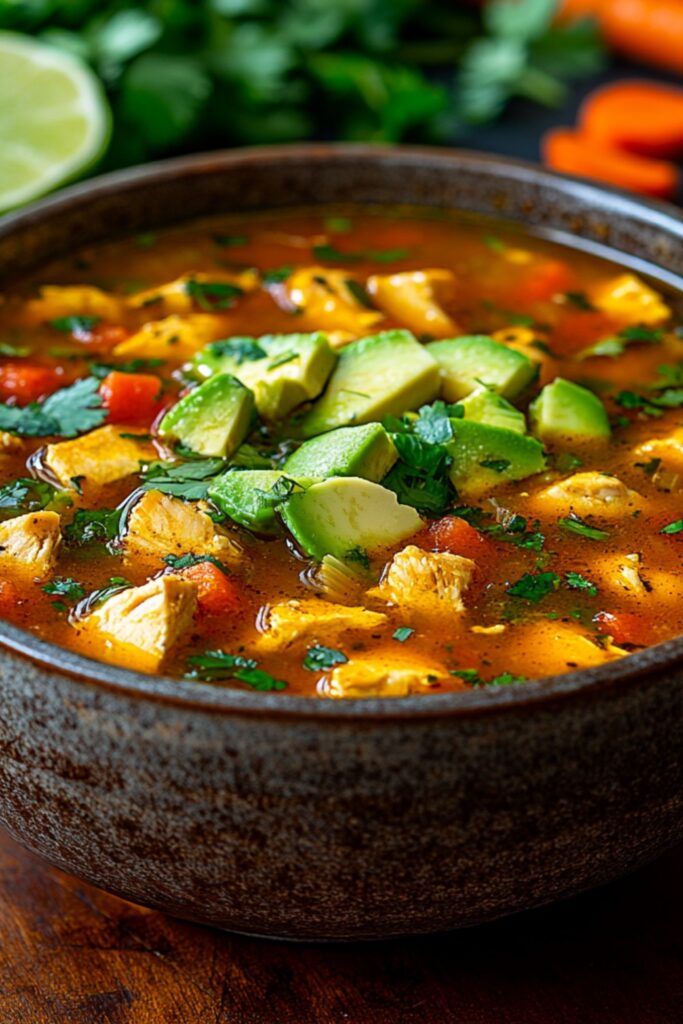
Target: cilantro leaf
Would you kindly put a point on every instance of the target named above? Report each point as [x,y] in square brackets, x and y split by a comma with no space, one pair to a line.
[102,370]
[433,424]
[188,480]
[116,585]
[402,634]
[93,526]
[65,585]
[178,562]
[26,495]
[319,658]
[215,665]
[575,524]
[673,528]
[65,413]
[213,295]
[242,350]
[578,582]
[534,586]
[76,325]
[497,465]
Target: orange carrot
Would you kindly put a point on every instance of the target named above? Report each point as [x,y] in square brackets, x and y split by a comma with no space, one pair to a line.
[647,30]
[642,117]
[217,595]
[546,279]
[574,152]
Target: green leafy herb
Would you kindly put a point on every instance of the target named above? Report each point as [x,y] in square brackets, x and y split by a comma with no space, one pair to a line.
[614,346]
[79,326]
[64,585]
[213,665]
[402,634]
[188,480]
[281,360]
[359,293]
[580,301]
[513,530]
[494,244]
[576,581]
[575,524]
[242,350]
[179,562]
[358,556]
[327,253]
[116,585]
[213,295]
[497,465]
[433,424]
[534,586]
[318,658]
[471,676]
[673,528]
[93,526]
[277,275]
[66,413]
[26,495]
[102,370]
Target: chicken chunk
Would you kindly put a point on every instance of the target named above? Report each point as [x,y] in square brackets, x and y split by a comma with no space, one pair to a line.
[102,456]
[413,298]
[430,582]
[377,677]
[619,574]
[192,291]
[175,337]
[30,544]
[161,525]
[590,494]
[326,302]
[57,301]
[668,476]
[312,620]
[626,297]
[151,618]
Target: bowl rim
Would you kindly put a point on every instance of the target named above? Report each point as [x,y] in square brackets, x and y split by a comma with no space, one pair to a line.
[211,697]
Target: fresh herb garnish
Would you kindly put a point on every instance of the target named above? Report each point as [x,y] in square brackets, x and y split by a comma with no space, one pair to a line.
[213,295]
[214,665]
[576,581]
[79,326]
[497,465]
[616,345]
[66,586]
[513,530]
[188,480]
[534,586]
[402,634]
[65,413]
[26,495]
[575,524]
[359,293]
[277,275]
[580,301]
[471,676]
[102,370]
[179,562]
[93,526]
[327,253]
[358,556]
[319,658]
[673,528]
[242,350]
[433,424]
[116,585]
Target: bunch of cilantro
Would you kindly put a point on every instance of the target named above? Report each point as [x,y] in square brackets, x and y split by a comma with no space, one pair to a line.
[186,75]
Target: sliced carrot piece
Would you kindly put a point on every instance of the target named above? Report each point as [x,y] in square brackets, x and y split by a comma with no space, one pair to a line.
[217,593]
[647,30]
[642,117]
[574,152]
[545,280]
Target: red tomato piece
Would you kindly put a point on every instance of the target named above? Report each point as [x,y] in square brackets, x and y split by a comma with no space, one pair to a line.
[27,382]
[131,397]
[626,628]
[218,594]
[540,283]
[454,535]
[106,336]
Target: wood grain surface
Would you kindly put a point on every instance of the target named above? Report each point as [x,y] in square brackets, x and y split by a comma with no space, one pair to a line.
[70,954]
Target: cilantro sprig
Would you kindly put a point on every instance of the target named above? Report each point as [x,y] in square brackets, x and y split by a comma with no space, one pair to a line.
[216,665]
[66,413]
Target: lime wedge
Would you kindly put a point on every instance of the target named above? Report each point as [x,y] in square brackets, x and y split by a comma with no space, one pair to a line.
[54,119]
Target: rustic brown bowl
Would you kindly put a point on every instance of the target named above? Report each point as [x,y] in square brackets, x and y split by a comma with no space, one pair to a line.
[301,818]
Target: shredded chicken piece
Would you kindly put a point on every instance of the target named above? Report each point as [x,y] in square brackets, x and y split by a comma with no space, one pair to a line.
[427,581]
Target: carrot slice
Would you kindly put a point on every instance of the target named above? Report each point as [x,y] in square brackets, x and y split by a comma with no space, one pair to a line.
[574,152]
[642,117]
[647,30]
[217,595]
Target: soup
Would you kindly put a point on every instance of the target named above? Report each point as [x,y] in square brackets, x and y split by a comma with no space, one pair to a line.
[344,452]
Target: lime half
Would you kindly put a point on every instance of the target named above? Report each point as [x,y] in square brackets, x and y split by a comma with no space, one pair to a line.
[54,119]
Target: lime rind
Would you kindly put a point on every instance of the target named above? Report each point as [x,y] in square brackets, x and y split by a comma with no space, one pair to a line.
[55,122]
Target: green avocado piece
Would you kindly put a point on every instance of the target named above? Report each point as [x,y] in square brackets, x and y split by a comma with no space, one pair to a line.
[365,451]
[250,497]
[477,359]
[283,370]
[486,406]
[484,457]
[385,374]
[212,419]
[565,411]
[347,517]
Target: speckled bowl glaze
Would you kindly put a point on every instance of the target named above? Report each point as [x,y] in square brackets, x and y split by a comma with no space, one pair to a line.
[300,818]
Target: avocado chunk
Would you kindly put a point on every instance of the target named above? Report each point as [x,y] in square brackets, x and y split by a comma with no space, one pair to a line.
[347,517]
[251,496]
[283,370]
[365,451]
[477,359]
[565,411]
[486,406]
[385,374]
[212,419]
[484,457]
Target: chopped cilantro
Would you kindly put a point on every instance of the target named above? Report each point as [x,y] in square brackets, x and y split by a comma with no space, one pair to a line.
[359,293]
[614,346]
[575,524]
[277,275]
[102,370]
[471,676]
[358,556]
[433,424]
[116,585]
[179,562]
[242,350]
[65,586]
[188,480]
[420,477]
[76,325]
[402,634]
[576,581]
[506,679]
[580,301]
[327,253]
[213,295]
[650,467]
[319,658]
[93,526]
[26,495]
[494,244]
[65,413]
[213,665]
[497,465]
[673,528]
[534,586]
[338,225]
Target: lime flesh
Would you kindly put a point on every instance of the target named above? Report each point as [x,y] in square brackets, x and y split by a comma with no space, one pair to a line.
[54,119]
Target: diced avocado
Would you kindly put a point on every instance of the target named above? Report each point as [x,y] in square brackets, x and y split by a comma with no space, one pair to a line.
[365,451]
[565,411]
[347,517]
[477,359]
[385,374]
[212,419]
[283,370]
[251,496]
[484,457]
[486,406]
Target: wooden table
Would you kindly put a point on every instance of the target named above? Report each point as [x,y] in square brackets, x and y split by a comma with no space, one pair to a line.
[69,954]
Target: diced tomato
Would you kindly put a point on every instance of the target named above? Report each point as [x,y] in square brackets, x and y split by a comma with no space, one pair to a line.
[106,336]
[131,397]
[546,279]
[27,382]
[218,594]
[454,535]
[626,628]
[9,598]
[577,329]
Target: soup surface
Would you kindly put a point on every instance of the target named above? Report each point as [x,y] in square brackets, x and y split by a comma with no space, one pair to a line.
[349,452]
